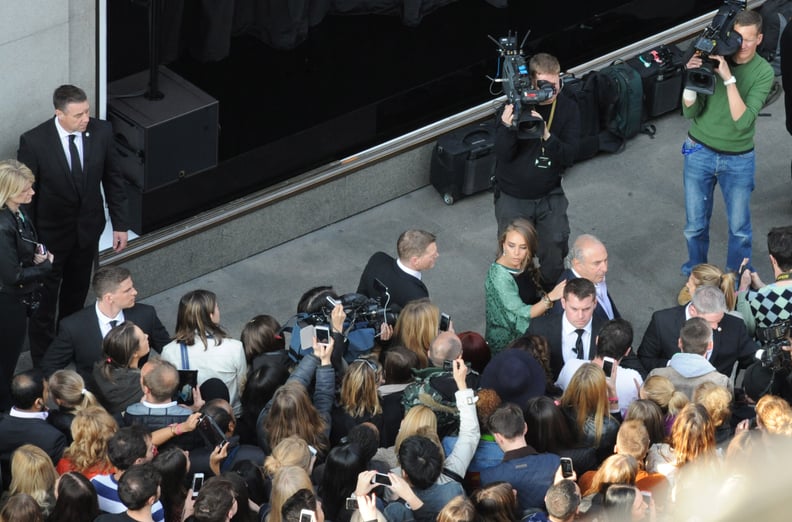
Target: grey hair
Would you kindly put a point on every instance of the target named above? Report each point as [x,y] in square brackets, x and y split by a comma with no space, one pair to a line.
[709,300]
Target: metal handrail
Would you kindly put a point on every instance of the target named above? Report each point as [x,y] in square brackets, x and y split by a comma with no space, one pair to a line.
[340,168]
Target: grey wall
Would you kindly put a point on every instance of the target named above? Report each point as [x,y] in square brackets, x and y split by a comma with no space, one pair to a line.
[280,222]
[43,44]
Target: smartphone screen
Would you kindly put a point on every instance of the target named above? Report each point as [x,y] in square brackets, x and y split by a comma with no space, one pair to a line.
[566,467]
[607,366]
[322,334]
[445,322]
[381,478]
[197,483]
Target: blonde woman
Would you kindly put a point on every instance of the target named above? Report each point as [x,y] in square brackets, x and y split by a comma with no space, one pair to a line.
[22,268]
[359,400]
[67,390]
[286,482]
[32,472]
[416,328]
[591,403]
[662,392]
[87,454]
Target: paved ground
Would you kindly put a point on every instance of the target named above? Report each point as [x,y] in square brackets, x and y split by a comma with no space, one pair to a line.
[633,201]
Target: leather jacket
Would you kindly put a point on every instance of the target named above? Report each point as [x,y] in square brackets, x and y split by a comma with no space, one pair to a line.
[18,240]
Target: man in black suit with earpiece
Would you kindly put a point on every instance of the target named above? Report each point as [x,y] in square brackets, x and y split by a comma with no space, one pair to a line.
[72,157]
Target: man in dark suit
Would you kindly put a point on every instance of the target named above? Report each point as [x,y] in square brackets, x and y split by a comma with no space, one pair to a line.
[71,155]
[589,260]
[80,335]
[730,338]
[417,251]
[26,423]
[573,333]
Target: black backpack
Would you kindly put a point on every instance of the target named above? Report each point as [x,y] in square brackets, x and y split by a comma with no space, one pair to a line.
[622,95]
[776,14]
[585,92]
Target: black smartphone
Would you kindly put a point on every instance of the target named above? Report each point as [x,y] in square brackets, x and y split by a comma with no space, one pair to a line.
[322,334]
[567,470]
[445,322]
[210,432]
[197,483]
[607,366]
[188,381]
[351,504]
[381,478]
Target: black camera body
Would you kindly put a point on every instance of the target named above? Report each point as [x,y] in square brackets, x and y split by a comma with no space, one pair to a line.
[360,310]
[773,340]
[517,87]
[718,38]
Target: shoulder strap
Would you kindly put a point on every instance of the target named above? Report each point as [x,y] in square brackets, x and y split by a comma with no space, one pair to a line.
[185,356]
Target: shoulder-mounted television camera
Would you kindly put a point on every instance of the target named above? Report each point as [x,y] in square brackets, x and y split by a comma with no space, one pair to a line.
[719,38]
[774,339]
[518,87]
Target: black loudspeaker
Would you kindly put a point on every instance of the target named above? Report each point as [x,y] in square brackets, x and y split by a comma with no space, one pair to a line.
[161,141]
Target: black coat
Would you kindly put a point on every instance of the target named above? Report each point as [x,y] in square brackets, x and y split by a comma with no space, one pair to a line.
[66,215]
[402,287]
[550,327]
[79,339]
[730,341]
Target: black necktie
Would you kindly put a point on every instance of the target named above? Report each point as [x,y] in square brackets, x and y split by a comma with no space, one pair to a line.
[579,343]
[76,166]
[113,323]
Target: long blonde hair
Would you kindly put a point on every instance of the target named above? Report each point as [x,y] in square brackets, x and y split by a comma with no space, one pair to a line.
[417,327]
[32,472]
[587,395]
[359,389]
[91,429]
[286,482]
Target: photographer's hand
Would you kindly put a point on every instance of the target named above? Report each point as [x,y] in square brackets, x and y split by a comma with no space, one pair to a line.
[694,62]
[723,67]
[337,318]
[507,117]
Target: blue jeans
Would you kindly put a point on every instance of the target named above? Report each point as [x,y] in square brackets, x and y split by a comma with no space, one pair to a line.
[704,168]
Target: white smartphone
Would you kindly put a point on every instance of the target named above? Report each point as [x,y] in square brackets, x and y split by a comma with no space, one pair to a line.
[322,334]
[197,483]
[607,366]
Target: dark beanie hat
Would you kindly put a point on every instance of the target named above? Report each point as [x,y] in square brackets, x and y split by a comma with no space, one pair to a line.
[515,375]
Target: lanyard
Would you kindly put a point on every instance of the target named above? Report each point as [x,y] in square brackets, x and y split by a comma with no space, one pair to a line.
[550,120]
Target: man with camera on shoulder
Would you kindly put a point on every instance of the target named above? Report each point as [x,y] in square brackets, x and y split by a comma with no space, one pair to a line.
[722,99]
[530,165]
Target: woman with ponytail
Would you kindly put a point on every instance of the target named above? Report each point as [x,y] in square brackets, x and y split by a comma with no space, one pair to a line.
[67,389]
[117,375]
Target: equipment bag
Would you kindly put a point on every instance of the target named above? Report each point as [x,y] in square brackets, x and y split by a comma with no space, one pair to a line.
[624,102]
[662,73]
[776,14]
[463,161]
[584,91]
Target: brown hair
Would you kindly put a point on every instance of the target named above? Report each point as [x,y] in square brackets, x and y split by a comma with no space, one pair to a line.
[194,315]
[616,469]
[693,434]
[293,413]
[359,389]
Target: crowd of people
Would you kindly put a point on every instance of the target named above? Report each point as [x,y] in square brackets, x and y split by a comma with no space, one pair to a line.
[551,414]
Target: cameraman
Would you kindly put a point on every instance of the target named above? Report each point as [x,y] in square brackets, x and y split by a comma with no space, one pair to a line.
[720,145]
[528,173]
[771,305]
